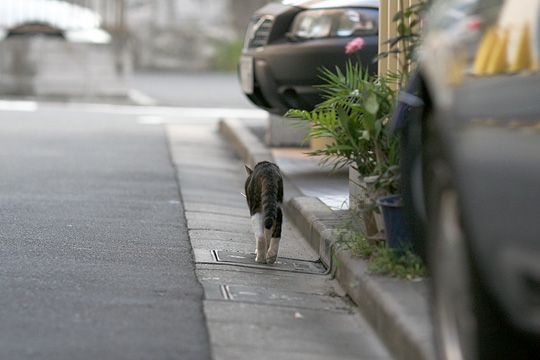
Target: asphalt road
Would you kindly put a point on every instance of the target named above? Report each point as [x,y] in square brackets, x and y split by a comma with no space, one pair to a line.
[191,89]
[95,262]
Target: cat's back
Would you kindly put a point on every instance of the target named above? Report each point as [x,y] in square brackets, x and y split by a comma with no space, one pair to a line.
[265,172]
[264,175]
[267,169]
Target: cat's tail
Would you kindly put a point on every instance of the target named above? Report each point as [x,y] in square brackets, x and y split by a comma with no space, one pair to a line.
[269,201]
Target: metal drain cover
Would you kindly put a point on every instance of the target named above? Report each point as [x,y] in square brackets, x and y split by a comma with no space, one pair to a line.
[248,260]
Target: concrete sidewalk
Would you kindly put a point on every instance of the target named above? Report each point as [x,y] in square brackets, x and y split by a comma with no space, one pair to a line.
[397,309]
[293,309]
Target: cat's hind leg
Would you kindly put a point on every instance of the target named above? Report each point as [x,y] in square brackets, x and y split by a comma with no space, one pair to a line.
[260,251]
[261,243]
[273,248]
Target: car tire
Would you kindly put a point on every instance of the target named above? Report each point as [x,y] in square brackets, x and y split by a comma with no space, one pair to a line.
[468,323]
[455,323]
[411,180]
[416,115]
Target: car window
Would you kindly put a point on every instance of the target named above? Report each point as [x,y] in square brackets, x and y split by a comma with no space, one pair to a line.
[445,13]
[488,38]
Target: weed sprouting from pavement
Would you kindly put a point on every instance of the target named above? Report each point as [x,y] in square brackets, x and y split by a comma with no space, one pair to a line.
[381,260]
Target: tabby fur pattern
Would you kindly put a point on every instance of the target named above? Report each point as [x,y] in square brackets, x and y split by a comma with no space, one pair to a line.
[264,194]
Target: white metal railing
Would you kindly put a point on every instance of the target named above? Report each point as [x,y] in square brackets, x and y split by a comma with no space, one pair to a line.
[64,15]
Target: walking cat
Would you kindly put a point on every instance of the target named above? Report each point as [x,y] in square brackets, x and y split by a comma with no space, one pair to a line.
[264,194]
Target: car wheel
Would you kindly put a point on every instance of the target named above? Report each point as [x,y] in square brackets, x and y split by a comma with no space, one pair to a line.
[454,319]
[411,179]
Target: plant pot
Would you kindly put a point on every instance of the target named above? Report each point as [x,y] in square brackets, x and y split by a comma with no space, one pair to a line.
[372,195]
[394,222]
[362,195]
[357,190]
[321,143]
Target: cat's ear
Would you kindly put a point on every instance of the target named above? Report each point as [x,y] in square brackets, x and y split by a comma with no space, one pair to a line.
[248,170]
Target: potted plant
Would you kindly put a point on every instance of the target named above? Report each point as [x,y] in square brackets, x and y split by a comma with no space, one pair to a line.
[355,114]
[402,46]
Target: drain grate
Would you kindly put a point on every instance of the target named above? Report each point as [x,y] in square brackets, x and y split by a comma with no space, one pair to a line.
[282,264]
[247,260]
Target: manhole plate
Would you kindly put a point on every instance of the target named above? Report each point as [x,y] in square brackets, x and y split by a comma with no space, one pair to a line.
[283,264]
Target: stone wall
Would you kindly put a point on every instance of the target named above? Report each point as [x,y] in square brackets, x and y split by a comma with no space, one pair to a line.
[162,34]
[51,67]
[184,34]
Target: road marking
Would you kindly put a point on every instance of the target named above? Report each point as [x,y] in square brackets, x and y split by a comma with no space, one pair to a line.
[141,98]
[164,111]
[10,105]
[150,120]
[169,111]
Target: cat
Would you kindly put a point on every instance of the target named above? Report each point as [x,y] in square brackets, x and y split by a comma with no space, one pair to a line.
[264,195]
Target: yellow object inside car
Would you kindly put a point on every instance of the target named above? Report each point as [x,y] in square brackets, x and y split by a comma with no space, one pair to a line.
[492,54]
[484,50]
[523,59]
[496,63]
[509,47]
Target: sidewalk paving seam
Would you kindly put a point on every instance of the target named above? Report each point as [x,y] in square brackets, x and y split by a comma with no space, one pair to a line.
[407,335]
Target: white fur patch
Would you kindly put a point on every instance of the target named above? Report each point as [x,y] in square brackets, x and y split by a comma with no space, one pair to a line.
[268,234]
[273,249]
[274,245]
[262,248]
[260,241]
[257,225]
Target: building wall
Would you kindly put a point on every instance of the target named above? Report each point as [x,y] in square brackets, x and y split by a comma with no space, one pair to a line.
[174,34]
[47,66]
[184,34]
[51,67]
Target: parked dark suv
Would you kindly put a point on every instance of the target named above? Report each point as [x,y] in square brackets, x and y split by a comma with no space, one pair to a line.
[288,42]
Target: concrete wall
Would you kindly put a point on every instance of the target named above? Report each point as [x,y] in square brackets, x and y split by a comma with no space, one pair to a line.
[162,34]
[185,34]
[52,67]
[173,34]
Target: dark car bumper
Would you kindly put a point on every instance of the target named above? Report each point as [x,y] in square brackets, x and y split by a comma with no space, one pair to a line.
[285,74]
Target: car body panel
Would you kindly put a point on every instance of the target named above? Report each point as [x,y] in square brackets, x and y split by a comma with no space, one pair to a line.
[274,9]
[328,4]
[298,64]
[496,157]
[490,123]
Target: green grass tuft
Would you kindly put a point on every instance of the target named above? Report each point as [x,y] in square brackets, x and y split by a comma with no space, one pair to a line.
[382,260]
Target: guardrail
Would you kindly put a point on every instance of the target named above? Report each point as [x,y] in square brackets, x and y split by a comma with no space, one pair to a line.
[108,15]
